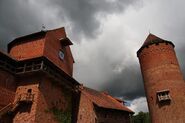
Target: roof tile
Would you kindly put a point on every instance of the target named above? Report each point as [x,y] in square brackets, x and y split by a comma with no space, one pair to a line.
[104,100]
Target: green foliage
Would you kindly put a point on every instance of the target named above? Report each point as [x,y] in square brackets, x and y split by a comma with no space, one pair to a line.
[62,116]
[141,117]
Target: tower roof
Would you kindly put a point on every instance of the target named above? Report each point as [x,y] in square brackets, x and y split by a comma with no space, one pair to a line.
[152,39]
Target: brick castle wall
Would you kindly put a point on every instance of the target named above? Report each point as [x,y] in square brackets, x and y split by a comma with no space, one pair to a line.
[7,88]
[54,102]
[111,116]
[25,113]
[48,46]
[89,113]
[86,112]
[52,48]
[27,49]
[47,96]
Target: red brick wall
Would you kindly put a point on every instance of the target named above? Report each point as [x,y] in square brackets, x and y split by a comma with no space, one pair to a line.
[7,88]
[7,97]
[48,46]
[26,113]
[112,116]
[160,70]
[7,80]
[52,96]
[47,95]
[86,112]
[52,48]
[30,48]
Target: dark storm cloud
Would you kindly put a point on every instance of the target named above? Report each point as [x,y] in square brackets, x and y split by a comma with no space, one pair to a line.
[17,18]
[84,13]
[82,19]
[20,17]
[127,84]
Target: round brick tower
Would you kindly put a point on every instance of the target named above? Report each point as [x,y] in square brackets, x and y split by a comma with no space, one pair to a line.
[163,80]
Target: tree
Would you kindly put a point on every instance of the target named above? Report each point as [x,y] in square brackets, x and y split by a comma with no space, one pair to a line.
[141,117]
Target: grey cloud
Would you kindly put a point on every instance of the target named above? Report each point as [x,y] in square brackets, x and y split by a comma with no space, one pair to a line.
[17,19]
[21,17]
[127,83]
[83,13]
[180,55]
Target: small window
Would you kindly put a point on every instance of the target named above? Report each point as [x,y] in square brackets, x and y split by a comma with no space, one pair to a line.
[61,55]
[29,90]
[163,95]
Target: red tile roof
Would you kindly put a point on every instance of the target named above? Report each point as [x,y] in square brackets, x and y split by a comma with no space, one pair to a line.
[104,100]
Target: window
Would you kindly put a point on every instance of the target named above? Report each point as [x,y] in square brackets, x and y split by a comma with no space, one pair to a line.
[61,54]
[163,95]
[29,90]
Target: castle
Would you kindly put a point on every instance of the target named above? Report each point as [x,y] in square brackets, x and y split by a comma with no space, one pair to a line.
[37,86]
[163,80]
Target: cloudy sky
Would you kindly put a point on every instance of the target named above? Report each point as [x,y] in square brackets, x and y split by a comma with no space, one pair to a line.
[106,35]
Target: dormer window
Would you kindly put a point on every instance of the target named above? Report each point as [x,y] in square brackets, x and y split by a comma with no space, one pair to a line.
[163,95]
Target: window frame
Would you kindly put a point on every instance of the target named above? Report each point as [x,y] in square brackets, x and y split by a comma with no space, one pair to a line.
[163,95]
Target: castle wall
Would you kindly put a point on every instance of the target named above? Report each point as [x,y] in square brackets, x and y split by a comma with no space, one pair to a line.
[54,103]
[7,97]
[27,49]
[161,71]
[89,113]
[25,113]
[52,48]
[86,112]
[7,88]
[48,45]
[111,116]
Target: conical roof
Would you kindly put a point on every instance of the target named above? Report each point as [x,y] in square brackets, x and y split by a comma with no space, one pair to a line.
[152,39]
